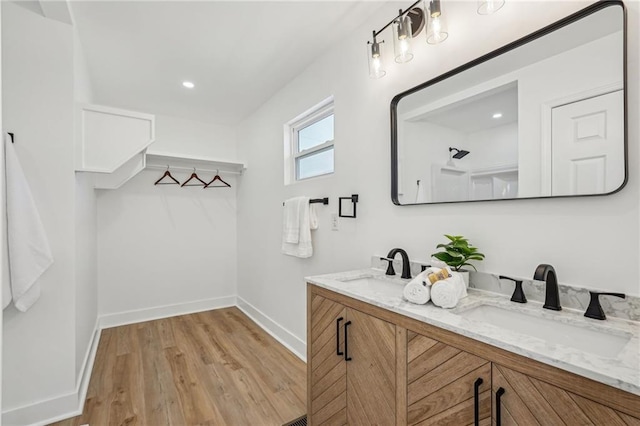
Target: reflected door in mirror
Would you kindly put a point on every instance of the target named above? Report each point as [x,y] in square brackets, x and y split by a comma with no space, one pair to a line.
[587,146]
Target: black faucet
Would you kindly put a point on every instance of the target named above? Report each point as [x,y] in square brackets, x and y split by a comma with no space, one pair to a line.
[547,274]
[406,268]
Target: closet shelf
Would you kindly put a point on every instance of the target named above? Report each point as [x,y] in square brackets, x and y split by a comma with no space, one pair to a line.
[160,161]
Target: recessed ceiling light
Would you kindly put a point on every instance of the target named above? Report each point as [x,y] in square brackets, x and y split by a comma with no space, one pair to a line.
[497,115]
[188,84]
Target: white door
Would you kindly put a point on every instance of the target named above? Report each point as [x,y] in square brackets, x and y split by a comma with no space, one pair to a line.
[587,145]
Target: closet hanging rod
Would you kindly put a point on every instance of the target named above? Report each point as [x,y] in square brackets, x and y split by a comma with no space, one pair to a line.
[323,201]
[190,169]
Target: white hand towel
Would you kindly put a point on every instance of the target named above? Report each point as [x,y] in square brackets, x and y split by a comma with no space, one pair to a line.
[29,251]
[417,291]
[420,198]
[457,276]
[291,219]
[445,293]
[307,220]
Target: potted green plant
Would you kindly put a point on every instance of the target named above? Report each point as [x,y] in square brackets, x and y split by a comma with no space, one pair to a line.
[457,253]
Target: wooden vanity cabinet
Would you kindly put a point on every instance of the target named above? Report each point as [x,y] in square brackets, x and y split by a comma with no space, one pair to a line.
[406,372]
[446,386]
[351,366]
[524,400]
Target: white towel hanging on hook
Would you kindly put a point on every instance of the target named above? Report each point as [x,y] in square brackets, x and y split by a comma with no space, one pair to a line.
[29,253]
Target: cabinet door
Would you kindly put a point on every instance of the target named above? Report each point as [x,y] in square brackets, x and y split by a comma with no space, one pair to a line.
[371,370]
[327,370]
[528,401]
[442,384]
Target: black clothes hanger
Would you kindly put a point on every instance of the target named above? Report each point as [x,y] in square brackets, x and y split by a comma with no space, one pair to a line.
[217,178]
[167,173]
[194,176]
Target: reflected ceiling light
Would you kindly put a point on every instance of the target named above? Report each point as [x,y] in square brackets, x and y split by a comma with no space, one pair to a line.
[436,26]
[402,35]
[374,53]
[188,84]
[487,7]
[497,115]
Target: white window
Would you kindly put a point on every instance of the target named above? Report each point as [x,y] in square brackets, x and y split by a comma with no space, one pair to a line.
[311,143]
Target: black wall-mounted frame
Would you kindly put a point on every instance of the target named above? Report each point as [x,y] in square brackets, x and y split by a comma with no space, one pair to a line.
[589,10]
[353,199]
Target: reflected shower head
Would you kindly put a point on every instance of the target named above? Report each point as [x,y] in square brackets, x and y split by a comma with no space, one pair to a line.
[460,153]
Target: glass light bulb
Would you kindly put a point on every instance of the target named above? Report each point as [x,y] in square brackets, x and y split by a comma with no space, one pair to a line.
[436,24]
[436,33]
[402,39]
[376,65]
[487,7]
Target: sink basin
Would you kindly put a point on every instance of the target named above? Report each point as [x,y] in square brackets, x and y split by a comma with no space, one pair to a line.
[381,287]
[590,340]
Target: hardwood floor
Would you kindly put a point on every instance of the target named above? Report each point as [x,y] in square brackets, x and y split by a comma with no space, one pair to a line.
[209,368]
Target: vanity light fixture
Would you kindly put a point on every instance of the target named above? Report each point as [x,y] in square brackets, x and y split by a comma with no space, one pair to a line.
[409,23]
[436,26]
[188,84]
[374,53]
[487,7]
[402,35]
[497,115]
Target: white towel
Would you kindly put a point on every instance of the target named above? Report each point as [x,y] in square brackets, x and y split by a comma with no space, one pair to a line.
[417,291]
[301,218]
[463,286]
[29,251]
[446,293]
[291,219]
[420,198]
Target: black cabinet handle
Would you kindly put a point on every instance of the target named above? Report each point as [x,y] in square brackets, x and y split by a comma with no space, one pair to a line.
[346,341]
[476,402]
[338,336]
[499,394]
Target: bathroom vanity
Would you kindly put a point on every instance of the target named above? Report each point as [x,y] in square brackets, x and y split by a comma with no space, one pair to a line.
[373,358]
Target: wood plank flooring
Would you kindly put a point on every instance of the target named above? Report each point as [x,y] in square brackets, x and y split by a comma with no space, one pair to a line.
[209,368]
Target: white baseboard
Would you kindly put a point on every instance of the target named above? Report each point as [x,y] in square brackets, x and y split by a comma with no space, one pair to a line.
[72,404]
[278,332]
[62,407]
[82,385]
[43,412]
[150,314]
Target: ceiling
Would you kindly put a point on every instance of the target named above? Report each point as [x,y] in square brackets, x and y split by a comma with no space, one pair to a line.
[475,113]
[238,53]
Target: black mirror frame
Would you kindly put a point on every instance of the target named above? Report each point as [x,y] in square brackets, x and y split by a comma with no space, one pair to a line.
[504,49]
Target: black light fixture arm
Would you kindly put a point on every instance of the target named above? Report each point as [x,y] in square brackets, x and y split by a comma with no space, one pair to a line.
[402,13]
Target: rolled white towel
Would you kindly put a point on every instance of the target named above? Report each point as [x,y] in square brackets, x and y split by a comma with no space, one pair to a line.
[446,293]
[416,291]
[463,286]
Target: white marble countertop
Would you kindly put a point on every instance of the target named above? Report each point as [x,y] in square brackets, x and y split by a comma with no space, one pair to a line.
[621,371]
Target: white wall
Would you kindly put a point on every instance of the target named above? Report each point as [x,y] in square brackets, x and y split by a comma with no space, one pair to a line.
[194,138]
[167,245]
[494,147]
[575,235]
[86,229]
[37,76]
[3,238]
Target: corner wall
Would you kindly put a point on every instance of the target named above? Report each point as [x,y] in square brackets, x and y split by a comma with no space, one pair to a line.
[167,250]
[577,236]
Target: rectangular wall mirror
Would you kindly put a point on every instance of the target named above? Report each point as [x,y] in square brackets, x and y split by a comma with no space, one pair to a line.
[544,116]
